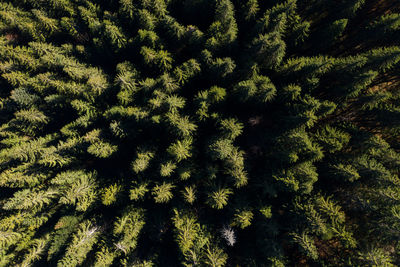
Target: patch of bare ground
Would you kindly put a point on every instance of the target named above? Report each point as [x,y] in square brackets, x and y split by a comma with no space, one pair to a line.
[11,37]
[382,7]
[385,86]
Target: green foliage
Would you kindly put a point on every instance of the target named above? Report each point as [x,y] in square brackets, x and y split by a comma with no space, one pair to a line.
[216,257]
[258,90]
[128,228]
[110,194]
[76,188]
[345,172]
[375,257]
[269,49]
[28,199]
[138,191]
[189,194]
[101,149]
[332,139]
[104,257]
[35,251]
[219,198]
[242,219]
[142,161]
[187,229]
[306,244]
[162,193]
[223,30]
[167,169]
[199,133]
[63,230]
[251,9]
[82,242]
[181,150]
[231,128]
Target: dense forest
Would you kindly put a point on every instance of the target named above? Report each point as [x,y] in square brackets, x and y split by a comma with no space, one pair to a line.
[199,133]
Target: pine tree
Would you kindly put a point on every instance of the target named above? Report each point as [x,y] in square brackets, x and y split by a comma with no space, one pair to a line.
[83,241]
[162,193]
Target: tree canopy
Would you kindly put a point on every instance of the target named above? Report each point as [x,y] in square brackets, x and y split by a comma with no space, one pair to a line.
[199,133]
